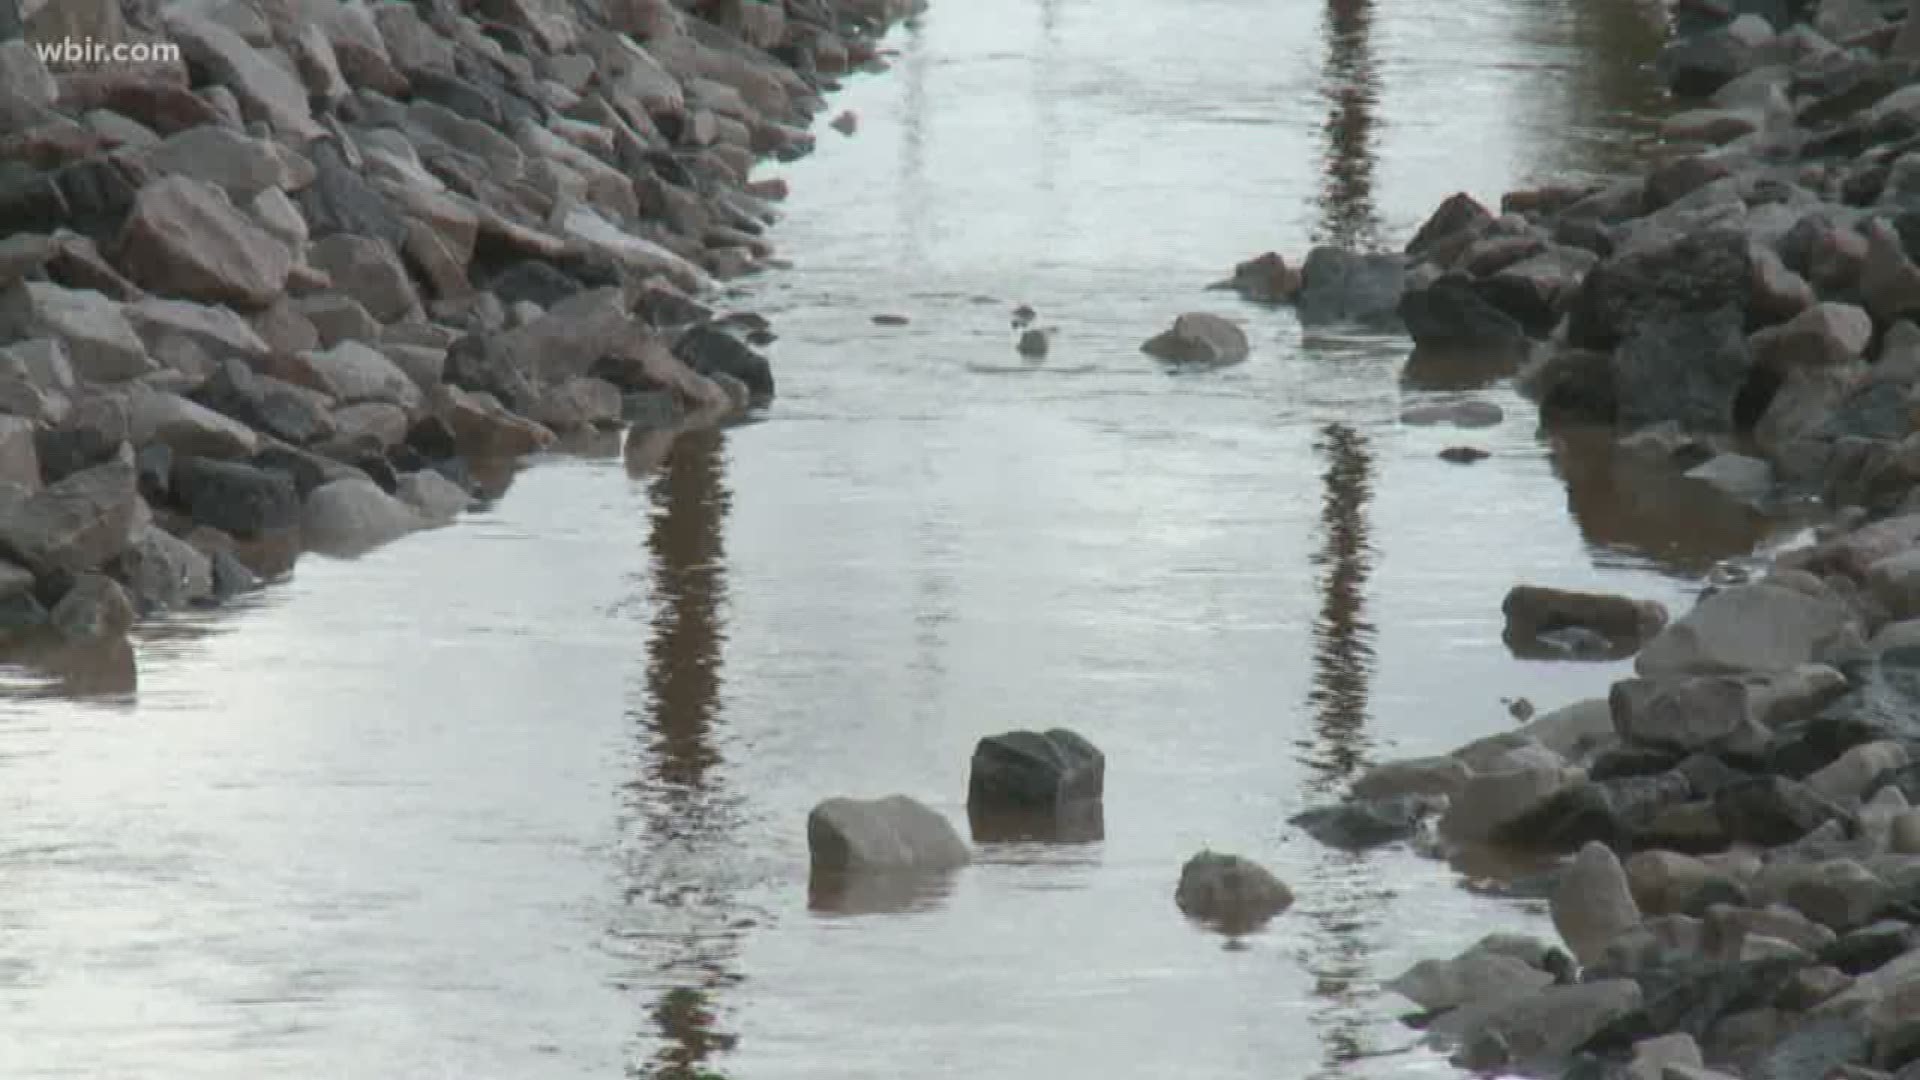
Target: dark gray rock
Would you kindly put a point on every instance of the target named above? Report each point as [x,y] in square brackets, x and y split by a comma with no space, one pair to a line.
[1698,274]
[341,201]
[267,404]
[1030,770]
[1230,893]
[535,282]
[708,351]
[1359,824]
[235,497]
[1450,314]
[1622,624]
[1774,810]
[1460,216]
[1347,288]
[1684,367]
[1696,65]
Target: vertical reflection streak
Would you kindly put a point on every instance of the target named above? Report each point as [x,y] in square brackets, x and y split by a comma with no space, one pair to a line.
[914,198]
[1346,900]
[1348,217]
[679,896]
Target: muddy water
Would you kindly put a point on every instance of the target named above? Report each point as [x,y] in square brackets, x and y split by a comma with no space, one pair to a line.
[523,798]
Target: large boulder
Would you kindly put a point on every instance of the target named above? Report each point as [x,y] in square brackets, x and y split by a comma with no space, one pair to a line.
[1198,338]
[185,427]
[283,410]
[165,573]
[235,497]
[1592,903]
[1684,714]
[368,270]
[93,333]
[1685,367]
[242,167]
[1030,770]
[1231,893]
[1697,274]
[94,607]
[352,373]
[1760,627]
[894,833]
[1348,288]
[1533,612]
[1494,799]
[1532,1029]
[79,523]
[266,90]
[1451,314]
[352,516]
[1484,972]
[711,351]
[185,239]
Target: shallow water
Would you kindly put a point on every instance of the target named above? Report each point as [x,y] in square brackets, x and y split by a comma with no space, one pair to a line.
[524,798]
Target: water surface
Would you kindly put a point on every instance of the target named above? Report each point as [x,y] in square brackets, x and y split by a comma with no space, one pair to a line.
[524,798]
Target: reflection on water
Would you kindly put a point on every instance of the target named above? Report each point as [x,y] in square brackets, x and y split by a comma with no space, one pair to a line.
[1349,218]
[688,814]
[1645,511]
[1344,898]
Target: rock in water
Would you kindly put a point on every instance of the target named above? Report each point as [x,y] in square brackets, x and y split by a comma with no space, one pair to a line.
[94,607]
[1593,905]
[1266,279]
[1229,893]
[1533,612]
[79,523]
[894,833]
[1344,287]
[1027,770]
[1033,343]
[1198,338]
[351,516]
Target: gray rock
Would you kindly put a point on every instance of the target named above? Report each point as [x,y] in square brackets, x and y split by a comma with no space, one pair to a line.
[438,500]
[1684,714]
[1669,883]
[349,517]
[163,572]
[368,270]
[352,373]
[1744,479]
[1199,338]
[266,91]
[218,331]
[894,833]
[79,523]
[1544,1025]
[1532,611]
[1230,893]
[91,330]
[1592,904]
[94,607]
[185,239]
[1849,777]
[1476,975]
[338,318]
[185,427]
[240,166]
[1652,1056]
[19,459]
[1030,770]
[236,498]
[1494,799]
[1685,367]
[379,422]
[1344,287]
[280,409]
[1443,775]
[1761,627]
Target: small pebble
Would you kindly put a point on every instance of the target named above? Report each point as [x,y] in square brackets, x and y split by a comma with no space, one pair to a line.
[1463,455]
[1033,343]
[1023,316]
[890,320]
[845,123]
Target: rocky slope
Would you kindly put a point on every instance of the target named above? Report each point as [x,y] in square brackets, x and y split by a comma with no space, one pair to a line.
[1742,817]
[310,282]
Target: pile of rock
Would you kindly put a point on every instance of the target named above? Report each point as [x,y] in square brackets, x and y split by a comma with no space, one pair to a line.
[299,287]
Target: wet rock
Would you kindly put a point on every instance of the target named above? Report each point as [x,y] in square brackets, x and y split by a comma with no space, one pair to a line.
[1481,973]
[1451,314]
[437,499]
[1199,338]
[1342,287]
[708,351]
[1534,611]
[1266,279]
[1362,823]
[1543,1027]
[235,497]
[79,523]
[1697,65]
[1703,274]
[1683,367]
[1760,627]
[1743,479]
[1466,414]
[1028,770]
[94,607]
[351,516]
[165,573]
[1592,905]
[888,834]
[1033,344]
[185,239]
[1444,775]
[90,330]
[1230,893]
[1464,455]
[1493,800]
[484,429]
[1458,218]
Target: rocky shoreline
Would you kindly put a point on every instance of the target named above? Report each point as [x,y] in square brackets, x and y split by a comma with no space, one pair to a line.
[1734,832]
[320,279]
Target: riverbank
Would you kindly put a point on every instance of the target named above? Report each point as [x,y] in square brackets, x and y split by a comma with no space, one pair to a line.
[319,277]
[1740,321]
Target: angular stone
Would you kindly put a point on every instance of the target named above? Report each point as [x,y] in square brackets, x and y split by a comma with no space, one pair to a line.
[1592,904]
[266,91]
[349,517]
[78,523]
[1199,338]
[369,271]
[353,373]
[235,498]
[93,331]
[242,167]
[185,427]
[280,409]
[1747,628]
[185,239]
[889,834]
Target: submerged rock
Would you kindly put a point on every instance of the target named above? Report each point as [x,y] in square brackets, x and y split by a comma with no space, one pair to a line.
[1199,338]
[1533,612]
[894,833]
[1028,770]
[1230,893]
